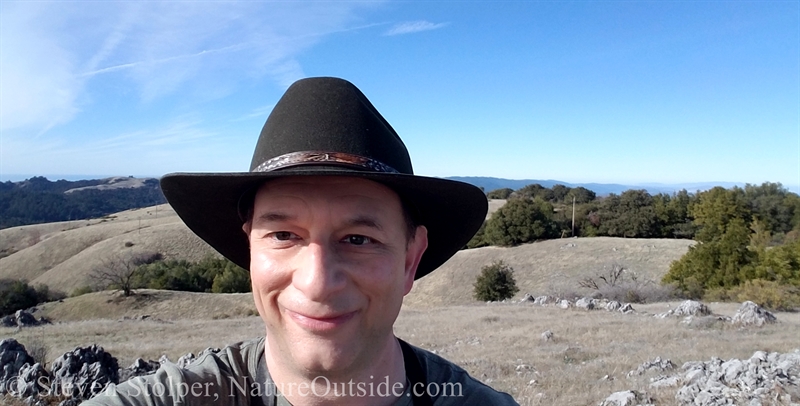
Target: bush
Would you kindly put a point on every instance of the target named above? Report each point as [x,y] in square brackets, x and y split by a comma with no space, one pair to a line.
[496,282]
[16,295]
[194,276]
[81,291]
[38,350]
[617,283]
[232,280]
[769,294]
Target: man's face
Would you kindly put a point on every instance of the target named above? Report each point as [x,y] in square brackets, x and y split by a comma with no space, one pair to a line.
[330,262]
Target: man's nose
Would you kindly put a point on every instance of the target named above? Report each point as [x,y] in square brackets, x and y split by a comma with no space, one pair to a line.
[319,274]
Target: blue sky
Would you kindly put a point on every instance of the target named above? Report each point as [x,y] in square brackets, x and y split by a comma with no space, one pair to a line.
[579,91]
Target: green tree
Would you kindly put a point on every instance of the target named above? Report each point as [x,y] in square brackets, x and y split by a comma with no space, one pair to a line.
[496,282]
[630,214]
[715,208]
[780,264]
[534,191]
[582,195]
[773,205]
[561,193]
[520,221]
[721,263]
[503,193]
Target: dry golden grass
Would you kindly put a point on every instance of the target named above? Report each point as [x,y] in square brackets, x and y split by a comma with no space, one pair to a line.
[494,342]
[494,204]
[489,340]
[63,255]
[548,267]
[157,304]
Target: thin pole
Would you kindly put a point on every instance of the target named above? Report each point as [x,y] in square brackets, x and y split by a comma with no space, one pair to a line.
[573,216]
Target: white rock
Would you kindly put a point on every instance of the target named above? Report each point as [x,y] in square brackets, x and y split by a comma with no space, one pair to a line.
[751,314]
[627,398]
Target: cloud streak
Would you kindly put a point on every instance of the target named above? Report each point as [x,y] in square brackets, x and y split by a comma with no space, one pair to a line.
[410,27]
[53,52]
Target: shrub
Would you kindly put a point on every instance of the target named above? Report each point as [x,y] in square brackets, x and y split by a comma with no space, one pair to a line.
[38,350]
[194,276]
[617,283]
[496,282]
[16,295]
[769,294]
[232,280]
[81,291]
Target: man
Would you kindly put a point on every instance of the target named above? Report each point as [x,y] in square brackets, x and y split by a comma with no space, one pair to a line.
[334,228]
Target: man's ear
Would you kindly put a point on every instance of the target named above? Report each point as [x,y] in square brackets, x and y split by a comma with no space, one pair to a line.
[416,247]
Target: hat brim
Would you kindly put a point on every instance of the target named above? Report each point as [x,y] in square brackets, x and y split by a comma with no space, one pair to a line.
[208,203]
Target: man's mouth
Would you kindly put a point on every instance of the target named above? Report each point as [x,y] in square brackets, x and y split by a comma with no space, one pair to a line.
[320,323]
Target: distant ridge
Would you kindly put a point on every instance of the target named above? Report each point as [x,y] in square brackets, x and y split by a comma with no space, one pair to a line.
[489,184]
[39,200]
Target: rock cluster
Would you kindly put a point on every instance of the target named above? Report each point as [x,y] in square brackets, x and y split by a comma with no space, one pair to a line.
[21,318]
[696,313]
[84,372]
[687,308]
[766,377]
[78,374]
[584,303]
[12,358]
[657,364]
[751,314]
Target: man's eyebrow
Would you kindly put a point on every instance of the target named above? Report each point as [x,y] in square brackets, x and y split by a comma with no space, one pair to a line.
[274,217]
[365,221]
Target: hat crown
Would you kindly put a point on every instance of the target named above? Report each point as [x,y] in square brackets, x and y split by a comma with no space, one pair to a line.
[329,115]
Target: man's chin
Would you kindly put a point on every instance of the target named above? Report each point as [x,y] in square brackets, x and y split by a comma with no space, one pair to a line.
[326,361]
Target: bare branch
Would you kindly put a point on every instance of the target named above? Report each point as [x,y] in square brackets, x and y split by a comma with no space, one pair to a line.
[118,271]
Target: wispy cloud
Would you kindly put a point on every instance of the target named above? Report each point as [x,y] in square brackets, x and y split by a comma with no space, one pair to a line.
[410,27]
[184,139]
[52,52]
[259,113]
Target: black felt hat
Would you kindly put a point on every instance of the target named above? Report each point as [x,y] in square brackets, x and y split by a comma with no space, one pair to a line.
[326,126]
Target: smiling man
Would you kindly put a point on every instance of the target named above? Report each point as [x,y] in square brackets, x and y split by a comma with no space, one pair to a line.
[334,228]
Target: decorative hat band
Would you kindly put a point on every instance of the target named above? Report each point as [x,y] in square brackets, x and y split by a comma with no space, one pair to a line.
[321,157]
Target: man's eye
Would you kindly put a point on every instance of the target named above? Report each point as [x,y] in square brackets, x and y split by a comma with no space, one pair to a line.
[357,239]
[283,235]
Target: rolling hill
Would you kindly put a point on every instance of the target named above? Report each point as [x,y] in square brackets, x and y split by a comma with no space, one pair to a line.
[62,255]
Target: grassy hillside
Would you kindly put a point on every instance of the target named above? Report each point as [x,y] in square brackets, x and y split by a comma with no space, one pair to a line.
[548,267]
[62,255]
[162,305]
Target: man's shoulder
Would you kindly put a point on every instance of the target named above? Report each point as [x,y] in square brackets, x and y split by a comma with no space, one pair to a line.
[450,384]
[243,355]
